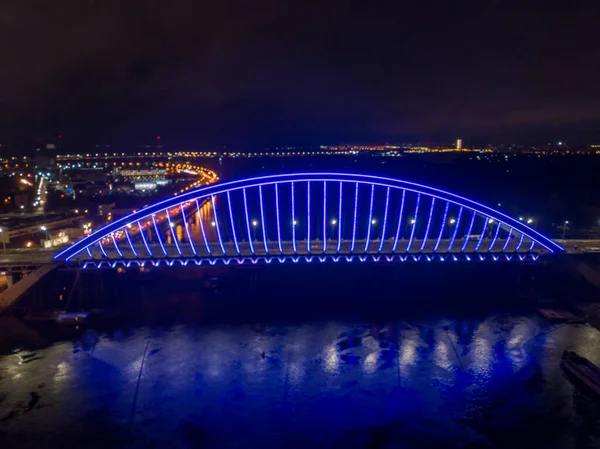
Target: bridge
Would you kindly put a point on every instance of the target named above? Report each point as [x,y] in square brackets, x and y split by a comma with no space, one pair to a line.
[308,217]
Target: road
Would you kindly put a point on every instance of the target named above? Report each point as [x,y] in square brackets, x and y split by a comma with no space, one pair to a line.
[38,256]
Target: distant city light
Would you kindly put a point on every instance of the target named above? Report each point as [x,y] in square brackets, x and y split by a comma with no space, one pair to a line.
[413,221]
[254,223]
[452,221]
[213,224]
[529,220]
[373,221]
[333,221]
[295,222]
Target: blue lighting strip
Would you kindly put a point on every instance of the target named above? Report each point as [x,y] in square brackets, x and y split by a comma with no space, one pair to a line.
[116,245]
[439,239]
[426,236]
[130,244]
[308,218]
[370,217]
[324,216]
[294,221]
[483,232]
[214,206]
[235,241]
[520,242]
[250,239]
[414,226]
[339,242]
[385,214]
[187,231]
[495,236]
[158,235]
[201,221]
[102,248]
[532,244]
[262,220]
[468,232]
[148,250]
[507,239]
[354,225]
[399,230]
[87,248]
[278,224]
[173,233]
[241,260]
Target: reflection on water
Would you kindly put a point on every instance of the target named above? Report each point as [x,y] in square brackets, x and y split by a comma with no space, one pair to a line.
[322,384]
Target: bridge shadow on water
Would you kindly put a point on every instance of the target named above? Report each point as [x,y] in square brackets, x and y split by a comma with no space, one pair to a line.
[302,292]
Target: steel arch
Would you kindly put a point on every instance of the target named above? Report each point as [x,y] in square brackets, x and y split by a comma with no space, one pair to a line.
[426,195]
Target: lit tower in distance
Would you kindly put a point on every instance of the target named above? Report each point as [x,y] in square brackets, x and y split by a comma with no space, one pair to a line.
[459,144]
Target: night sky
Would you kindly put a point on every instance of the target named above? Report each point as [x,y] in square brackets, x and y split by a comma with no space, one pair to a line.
[274,72]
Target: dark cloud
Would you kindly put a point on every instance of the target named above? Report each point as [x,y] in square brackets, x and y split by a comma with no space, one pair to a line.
[272,71]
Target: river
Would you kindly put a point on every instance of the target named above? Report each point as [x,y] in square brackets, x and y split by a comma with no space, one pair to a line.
[246,363]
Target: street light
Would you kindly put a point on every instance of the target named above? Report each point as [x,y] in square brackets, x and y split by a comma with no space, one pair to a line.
[295,222]
[413,221]
[3,242]
[529,220]
[373,221]
[564,228]
[45,229]
[213,224]
[452,221]
[333,221]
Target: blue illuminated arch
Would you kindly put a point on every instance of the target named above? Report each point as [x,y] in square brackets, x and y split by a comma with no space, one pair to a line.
[382,186]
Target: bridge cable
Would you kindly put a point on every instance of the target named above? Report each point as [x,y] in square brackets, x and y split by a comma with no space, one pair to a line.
[370,217]
[354,224]
[510,230]
[483,232]
[439,239]
[520,242]
[399,229]
[187,230]
[293,220]
[414,225]
[158,235]
[466,241]
[339,242]
[308,246]
[144,240]
[102,248]
[278,223]
[324,217]
[202,231]
[250,238]
[262,221]
[130,243]
[112,234]
[237,247]
[457,224]
[426,236]
[385,214]
[495,237]
[172,230]
[214,206]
